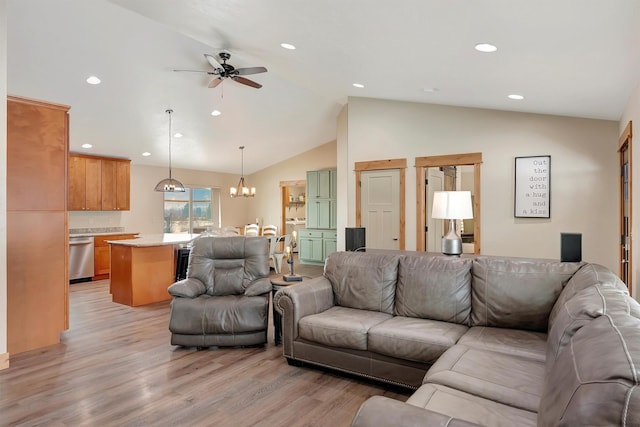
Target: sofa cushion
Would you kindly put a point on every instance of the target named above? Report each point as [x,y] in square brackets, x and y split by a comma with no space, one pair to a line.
[587,276]
[501,377]
[363,280]
[516,292]
[340,327]
[465,406]
[586,305]
[420,340]
[230,314]
[434,287]
[594,380]
[527,344]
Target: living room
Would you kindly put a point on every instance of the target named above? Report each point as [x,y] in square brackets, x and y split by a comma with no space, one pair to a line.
[584,152]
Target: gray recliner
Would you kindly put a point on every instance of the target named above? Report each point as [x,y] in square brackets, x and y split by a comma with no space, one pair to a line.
[224,300]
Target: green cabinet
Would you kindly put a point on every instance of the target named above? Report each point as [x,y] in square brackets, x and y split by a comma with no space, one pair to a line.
[321,195]
[318,240]
[314,246]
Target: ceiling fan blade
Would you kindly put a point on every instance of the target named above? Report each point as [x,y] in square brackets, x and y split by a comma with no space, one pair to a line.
[247,82]
[249,70]
[196,71]
[215,64]
[215,82]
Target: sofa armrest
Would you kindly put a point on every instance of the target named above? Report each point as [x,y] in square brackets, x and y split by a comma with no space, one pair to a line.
[382,411]
[187,288]
[295,302]
[258,287]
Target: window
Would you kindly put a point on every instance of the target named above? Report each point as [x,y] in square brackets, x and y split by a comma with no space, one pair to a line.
[193,211]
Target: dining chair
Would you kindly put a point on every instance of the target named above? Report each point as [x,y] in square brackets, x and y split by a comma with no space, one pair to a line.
[230,231]
[277,256]
[251,230]
[270,230]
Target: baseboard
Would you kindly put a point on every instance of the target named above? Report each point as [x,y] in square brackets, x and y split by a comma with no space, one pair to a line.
[4,361]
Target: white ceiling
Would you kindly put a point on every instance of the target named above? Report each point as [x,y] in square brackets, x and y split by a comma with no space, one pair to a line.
[572,57]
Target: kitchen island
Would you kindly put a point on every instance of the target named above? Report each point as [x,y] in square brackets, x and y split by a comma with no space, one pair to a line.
[143,268]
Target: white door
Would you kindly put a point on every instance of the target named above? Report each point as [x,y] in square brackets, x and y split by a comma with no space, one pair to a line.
[380,208]
[435,182]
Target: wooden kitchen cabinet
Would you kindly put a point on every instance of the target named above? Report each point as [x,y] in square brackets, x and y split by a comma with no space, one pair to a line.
[115,184]
[85,177]
[98,183]
[102,254]
[37,229]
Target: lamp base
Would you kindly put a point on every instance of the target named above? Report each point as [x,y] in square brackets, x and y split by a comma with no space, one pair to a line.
[452,243]
[292,278]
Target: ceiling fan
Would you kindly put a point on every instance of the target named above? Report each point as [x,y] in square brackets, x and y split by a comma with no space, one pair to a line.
[228,71]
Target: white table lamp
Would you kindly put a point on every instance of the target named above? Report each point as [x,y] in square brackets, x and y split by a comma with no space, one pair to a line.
[452,205]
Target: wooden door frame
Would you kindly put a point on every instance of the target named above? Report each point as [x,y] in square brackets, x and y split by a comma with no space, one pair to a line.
[465,159]
[624,143]
[283,199]
[376,165]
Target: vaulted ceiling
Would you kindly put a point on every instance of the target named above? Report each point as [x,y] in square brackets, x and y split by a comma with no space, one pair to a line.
[572,57]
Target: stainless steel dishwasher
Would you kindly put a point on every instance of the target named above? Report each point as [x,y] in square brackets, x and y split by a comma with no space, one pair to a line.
[80,259]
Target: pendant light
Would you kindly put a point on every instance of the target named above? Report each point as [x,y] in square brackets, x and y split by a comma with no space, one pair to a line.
[242,190]
[170,185]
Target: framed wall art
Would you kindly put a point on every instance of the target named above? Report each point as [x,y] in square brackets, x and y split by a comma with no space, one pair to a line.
[532,187]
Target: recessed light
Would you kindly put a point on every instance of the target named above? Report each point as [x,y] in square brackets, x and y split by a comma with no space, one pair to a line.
[87,145]
[358,85]
[215,113]
[93,80]
[430,89]
[288,46]
[485,47]
[146,154]
[177,135]
[515,96]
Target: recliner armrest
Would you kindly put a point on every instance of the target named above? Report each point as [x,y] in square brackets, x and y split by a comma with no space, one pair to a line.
[187,288]
[382,411]
[258,287]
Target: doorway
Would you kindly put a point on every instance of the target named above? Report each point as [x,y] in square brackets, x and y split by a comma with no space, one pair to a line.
[423,165]
[380,208]
[392,227]
[624,149]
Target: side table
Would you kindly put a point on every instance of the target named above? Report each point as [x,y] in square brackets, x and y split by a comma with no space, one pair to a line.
[278,283]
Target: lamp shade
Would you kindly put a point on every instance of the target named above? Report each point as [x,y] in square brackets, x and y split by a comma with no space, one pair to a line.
[452,205]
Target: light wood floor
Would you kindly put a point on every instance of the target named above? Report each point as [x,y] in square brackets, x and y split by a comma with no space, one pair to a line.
[115,367]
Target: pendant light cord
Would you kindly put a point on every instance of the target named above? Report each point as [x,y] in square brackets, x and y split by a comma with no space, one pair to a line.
[169,112]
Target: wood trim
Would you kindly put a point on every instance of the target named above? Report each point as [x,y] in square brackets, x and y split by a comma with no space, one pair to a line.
[38,103]
[283,198]
[464,159]
[4,361]
[449,160]
[381,165]
[372,165]
[421,218]
[624,143]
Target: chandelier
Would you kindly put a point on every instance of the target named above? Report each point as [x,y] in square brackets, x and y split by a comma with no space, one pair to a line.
[242,190]
[169,184]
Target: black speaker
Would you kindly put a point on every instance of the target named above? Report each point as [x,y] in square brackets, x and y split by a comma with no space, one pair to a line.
[354,238]
[570,247]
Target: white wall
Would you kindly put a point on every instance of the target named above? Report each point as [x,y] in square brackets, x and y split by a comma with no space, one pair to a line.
[584,170]
[3,181]
[267,181]
[343,207]
[632,113]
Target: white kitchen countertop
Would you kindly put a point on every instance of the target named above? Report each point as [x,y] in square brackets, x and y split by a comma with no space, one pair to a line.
[155,240]
[108,233]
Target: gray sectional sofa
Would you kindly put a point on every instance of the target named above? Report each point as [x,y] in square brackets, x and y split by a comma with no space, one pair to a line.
[492,341]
